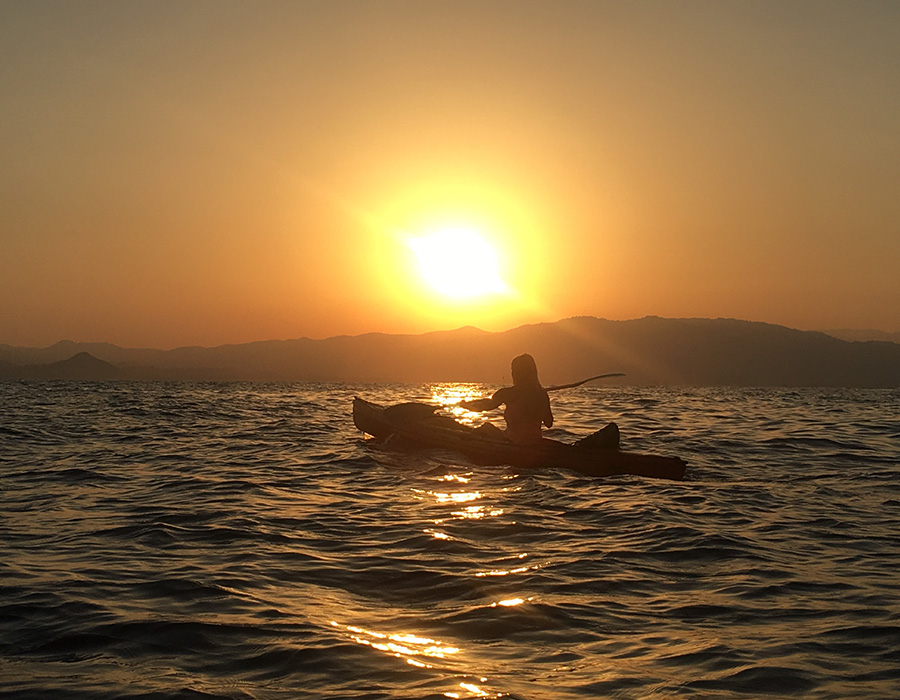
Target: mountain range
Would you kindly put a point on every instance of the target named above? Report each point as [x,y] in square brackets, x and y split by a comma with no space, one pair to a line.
[651,351]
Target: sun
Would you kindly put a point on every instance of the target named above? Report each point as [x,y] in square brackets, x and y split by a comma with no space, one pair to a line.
[458,263]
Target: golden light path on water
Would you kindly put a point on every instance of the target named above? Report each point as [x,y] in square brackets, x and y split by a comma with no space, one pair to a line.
[402,645]
[421,652]
[449,396]
[450,498]
[457,503]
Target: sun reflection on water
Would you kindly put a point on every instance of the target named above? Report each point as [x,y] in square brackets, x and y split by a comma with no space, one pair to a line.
[457,497]
[508,572]
[449,396]
[474,511]
[455,477]
[408,647]
[474,691]
[420,652]
[512,602]
[504,572]
[478,512]
[437,534]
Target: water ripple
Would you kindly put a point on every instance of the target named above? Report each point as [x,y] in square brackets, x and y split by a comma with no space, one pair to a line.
[244,541]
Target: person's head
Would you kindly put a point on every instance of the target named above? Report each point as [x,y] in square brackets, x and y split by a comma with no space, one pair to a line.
[524,371]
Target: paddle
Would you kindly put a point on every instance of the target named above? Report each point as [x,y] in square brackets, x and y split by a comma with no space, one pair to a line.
[488,404]
[584,381]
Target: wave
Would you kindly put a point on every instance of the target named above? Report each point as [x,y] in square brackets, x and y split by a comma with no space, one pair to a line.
[244,541]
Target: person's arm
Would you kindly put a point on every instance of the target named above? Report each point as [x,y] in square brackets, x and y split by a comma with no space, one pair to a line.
[484,404]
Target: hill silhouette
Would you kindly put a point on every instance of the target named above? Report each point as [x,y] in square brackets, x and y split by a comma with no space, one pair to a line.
[863,334]
[81,366]
[651,351]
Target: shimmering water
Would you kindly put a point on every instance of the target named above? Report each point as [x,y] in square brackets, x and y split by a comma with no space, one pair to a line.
[244,541]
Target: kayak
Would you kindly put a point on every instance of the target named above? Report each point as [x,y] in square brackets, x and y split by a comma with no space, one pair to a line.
[596,455]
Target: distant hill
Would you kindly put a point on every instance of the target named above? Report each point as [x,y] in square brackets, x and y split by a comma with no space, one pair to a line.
[651,351]
[863,335]
[81,366]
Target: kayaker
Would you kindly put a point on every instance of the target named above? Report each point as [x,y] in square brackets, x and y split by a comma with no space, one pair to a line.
[527,404]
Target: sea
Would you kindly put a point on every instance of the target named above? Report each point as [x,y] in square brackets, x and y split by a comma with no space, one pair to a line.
[245,541]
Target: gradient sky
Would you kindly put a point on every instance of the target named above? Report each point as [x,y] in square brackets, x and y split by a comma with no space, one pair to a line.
[219,172]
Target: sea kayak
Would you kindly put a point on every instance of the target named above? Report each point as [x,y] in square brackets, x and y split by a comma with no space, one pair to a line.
[418,424]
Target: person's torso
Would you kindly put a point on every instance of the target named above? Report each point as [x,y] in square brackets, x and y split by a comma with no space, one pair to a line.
[525,410]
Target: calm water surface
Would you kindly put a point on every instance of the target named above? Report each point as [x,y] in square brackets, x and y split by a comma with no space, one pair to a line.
[244,541]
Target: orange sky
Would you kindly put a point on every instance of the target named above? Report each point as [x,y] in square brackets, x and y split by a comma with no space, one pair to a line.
[217,172]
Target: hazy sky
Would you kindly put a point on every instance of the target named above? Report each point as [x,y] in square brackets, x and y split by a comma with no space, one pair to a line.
[213,172]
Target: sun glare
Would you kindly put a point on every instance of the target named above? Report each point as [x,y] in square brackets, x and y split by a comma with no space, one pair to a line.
[458,263]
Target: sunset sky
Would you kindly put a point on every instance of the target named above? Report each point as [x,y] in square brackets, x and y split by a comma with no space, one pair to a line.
[180,173]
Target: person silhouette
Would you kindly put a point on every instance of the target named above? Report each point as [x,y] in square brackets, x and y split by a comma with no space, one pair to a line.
[527,404]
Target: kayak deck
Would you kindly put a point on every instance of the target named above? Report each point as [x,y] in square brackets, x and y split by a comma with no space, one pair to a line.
[417,424]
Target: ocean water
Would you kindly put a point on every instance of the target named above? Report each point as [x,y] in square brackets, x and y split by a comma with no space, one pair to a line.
[244,541]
